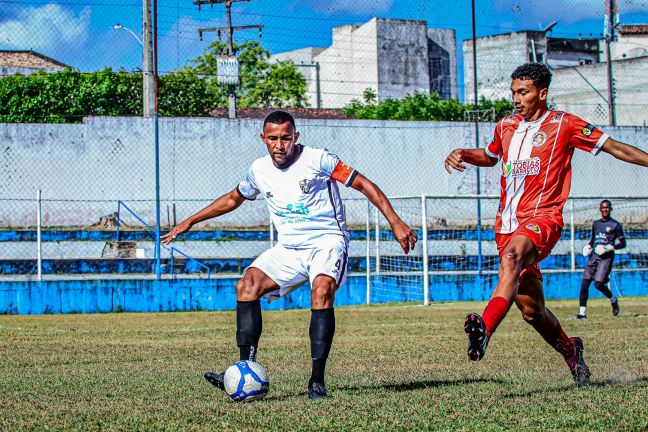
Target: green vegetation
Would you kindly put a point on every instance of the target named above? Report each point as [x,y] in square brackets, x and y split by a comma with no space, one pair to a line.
[422,107]
[69,95]
[393,367]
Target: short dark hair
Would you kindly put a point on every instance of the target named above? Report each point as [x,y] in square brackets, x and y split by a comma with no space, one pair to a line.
[536,72]
[279,117]
[606,201]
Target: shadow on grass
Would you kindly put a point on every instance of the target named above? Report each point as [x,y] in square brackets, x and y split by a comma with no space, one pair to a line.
[396,387]
[595,384]
[418,385]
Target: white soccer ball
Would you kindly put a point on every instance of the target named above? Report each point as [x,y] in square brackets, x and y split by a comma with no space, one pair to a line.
[246,381]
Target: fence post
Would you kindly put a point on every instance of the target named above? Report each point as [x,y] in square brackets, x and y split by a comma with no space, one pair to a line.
[272,239]
[573,235]
[39,224]
[158,261]
[118,218]
[377,234]
[368,252]
[424,252]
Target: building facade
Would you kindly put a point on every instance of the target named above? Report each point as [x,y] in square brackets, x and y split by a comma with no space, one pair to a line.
[27,62]
[392,57]
[579,67]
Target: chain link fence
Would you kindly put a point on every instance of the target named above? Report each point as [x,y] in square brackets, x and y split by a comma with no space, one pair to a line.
[94,159]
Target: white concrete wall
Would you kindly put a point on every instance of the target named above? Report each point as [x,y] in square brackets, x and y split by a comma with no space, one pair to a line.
[87,167]
[585,94]
[403,66]
[389,56]
[304,56]
[497,57]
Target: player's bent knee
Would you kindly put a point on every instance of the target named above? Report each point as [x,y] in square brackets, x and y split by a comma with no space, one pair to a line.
[247,289]
[323,293]
[510,261]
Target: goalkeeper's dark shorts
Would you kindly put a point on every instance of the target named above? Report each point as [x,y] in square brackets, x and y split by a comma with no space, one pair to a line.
[598,268]
[544,233]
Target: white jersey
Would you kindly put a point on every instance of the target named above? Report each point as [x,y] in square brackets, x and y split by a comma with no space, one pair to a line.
[303,199]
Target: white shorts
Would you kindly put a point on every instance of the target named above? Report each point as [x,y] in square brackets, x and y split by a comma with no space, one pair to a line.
[290,267]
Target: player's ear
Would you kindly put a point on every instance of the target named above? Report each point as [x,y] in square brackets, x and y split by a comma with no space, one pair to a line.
[262,136]
[543,93]
[296,135]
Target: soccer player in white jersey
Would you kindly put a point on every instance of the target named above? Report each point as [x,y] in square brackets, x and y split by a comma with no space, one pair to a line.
[535,147]
[299,184]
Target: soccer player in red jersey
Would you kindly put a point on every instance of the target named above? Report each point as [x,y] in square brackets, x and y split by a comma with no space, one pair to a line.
[536,147]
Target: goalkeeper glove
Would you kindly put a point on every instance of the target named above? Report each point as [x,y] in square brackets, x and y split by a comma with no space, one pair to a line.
[603,249]
[587,250]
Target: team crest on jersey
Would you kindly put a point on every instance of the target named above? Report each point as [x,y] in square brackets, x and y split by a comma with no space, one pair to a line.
[607,229]
[539,138]
[306,185]
[521,168]
[535,228]
[587,130]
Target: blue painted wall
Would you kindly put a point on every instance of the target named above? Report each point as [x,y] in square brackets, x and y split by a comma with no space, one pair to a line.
[136,295]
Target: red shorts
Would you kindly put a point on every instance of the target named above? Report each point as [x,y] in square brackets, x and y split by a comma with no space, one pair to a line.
[544,233]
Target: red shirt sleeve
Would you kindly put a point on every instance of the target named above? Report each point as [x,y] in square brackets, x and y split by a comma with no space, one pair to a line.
[344,174]
[584,136]
[494,148]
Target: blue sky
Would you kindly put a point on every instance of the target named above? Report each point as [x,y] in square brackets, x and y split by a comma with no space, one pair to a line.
[79,33]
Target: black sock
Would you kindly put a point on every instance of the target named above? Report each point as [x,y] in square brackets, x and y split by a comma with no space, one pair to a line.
[603,288]
[584,292]
[322,329]
[248,328]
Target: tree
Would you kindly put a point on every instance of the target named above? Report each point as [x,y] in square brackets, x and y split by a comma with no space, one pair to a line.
[419,106]
[263,84]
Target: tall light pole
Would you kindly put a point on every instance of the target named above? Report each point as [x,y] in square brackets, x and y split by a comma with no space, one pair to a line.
[148,77]
[148,72]
[121,27]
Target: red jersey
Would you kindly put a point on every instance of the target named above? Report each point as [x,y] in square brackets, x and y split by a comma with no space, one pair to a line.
[536,164]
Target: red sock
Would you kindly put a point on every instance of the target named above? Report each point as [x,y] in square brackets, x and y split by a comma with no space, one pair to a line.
[495,311]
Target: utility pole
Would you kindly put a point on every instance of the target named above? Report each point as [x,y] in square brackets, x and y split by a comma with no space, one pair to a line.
[611,19]
[148,73]
[229,30]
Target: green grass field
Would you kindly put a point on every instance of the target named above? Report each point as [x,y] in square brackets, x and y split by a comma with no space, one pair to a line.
[392,367]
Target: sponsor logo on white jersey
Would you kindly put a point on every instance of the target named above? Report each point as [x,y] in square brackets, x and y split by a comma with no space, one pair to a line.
[522,167]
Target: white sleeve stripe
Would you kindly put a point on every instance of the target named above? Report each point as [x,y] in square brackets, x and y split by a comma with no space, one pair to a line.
[491,154]
[349,181]
[597,149]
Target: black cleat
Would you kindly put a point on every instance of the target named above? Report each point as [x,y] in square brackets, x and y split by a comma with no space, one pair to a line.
[576,363]
[477,339]
[216,379]
[581,317]
[317,391]
[615,307]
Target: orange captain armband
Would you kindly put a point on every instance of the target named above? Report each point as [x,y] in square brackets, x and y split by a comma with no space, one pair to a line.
[344,174]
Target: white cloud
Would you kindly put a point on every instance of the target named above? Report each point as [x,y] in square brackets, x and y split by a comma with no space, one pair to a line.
[355,7]
[49,29]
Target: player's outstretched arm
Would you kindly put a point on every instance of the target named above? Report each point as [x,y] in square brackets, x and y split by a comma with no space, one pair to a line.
[459,157]
[625,152]
[220,206]
[405,236]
